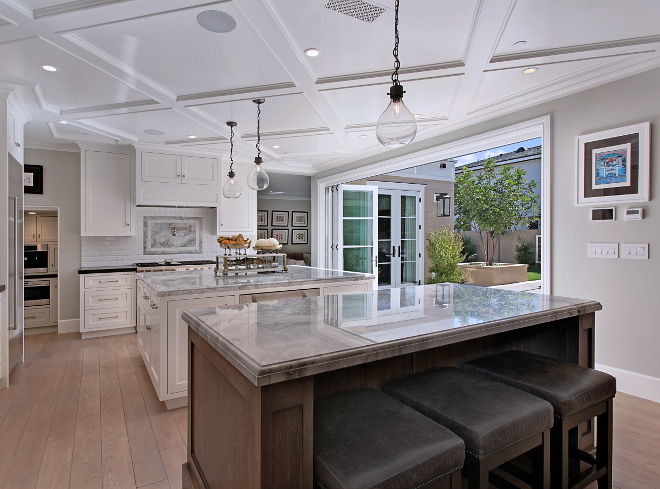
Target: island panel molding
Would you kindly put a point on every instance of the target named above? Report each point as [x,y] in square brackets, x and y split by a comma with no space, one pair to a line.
[172,235]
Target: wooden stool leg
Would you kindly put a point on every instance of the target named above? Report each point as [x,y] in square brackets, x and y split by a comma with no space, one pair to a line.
[476,472]
[541,463]
[559,454]
[604,445]
[455,481]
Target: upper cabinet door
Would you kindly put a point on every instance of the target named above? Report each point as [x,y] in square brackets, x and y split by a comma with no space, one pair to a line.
[199,171]
[161,168]
[106,188]
[30,228]
[238,215]
[14,137]
[46,228]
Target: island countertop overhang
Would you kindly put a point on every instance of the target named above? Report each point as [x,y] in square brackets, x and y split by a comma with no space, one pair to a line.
[263,374]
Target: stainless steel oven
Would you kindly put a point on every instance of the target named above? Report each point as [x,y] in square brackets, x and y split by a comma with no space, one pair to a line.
[35,259]
[36,292]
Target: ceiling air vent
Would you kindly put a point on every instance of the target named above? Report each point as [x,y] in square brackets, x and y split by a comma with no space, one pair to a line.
[358,9]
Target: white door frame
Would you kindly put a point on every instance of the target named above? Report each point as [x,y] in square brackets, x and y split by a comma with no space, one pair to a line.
[540,127]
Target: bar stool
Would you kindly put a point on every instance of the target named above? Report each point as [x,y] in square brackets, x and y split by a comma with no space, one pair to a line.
[365,439]
[577,394]
[496,422]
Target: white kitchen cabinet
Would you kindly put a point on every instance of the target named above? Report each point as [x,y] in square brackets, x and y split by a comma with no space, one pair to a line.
[238,215]
[199,171]
[30,228]
[106,194]
[46,229]
[36,316]
[14,134]
[54,258]
[54,294]
[161,168]
[107,304]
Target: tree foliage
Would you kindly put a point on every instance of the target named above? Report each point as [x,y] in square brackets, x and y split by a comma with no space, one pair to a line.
[493,202]
[525,252]
[445,252]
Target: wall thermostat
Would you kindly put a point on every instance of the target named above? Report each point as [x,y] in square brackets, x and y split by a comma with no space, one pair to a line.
[603,214]
[634,214]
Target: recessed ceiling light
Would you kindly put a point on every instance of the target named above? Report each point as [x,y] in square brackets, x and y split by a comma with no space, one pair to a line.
[32,213]
[63,122]
[519,43]
[363,136]
[275,147]
[530,70]
[154,132]
[216,21]
[191,137]
[312,52]
[417,116]
[49,67]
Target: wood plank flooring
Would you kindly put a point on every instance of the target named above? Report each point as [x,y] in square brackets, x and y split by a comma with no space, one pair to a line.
[84,414]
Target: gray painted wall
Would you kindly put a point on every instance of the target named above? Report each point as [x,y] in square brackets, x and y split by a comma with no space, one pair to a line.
[62,189]
[284,204]
[627,330]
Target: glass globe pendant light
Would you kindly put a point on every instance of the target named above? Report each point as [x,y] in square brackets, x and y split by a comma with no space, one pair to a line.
[396,126]
[258,178]
[231,190]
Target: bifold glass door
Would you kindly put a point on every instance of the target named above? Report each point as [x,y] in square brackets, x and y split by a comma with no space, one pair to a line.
[357,229]
[399,242]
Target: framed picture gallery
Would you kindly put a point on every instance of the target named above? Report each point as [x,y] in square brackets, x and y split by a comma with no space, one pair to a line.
[281,235]
[299,219]
[262,218]
[613,166]
[262,233]
[299,236]
[280,218]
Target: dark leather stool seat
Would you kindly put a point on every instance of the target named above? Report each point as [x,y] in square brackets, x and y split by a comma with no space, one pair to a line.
[496,422]
[577,394]
[365,439]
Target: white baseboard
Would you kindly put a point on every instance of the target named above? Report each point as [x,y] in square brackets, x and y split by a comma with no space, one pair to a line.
[68,326]
[635,384]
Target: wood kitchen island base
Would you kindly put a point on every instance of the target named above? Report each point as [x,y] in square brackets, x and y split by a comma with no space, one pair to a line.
[253,429]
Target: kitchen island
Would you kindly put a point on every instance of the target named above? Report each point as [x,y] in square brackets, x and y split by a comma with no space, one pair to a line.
[255,369]
[163,296]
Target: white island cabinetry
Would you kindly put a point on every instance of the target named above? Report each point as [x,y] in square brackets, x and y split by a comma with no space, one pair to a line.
[163,297]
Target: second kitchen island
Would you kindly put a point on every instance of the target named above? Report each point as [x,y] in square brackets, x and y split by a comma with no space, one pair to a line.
[162,297]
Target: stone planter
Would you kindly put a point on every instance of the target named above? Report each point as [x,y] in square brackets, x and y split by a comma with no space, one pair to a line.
[500,274]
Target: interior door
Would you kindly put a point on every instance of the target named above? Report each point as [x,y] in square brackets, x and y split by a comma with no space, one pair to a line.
[357,228]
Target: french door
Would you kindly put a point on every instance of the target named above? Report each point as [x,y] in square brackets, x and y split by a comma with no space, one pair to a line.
[355,249]
[399,238]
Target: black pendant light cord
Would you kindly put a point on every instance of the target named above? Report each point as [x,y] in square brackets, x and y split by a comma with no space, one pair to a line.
[231,150]
[258,131]
[395,52]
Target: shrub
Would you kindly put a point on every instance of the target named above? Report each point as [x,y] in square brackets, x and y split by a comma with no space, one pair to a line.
[469,247]
[525,253]
[445,252]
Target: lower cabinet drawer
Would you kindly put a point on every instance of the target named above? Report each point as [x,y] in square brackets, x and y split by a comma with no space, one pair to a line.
[345,289]
[99,281]
[108,318]
[36,316]
[276,296]
[104,299]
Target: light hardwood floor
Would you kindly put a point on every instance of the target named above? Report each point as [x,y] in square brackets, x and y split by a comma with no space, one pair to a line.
[84,414]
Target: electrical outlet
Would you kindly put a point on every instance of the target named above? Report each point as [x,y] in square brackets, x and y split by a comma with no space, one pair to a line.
[635,251]
[603,250]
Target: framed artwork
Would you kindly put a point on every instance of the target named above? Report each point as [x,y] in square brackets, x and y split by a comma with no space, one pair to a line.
[299,236]
[262,218]
[299,219]
[262,233]
[613,166]
[33,179]
[281,235]
[280,218]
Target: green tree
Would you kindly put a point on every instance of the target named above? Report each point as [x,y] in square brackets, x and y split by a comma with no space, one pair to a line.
[445,252]
[493,202]
[525,252]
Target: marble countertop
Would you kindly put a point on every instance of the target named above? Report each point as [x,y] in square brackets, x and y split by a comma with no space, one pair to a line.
[275,341]
[191,282]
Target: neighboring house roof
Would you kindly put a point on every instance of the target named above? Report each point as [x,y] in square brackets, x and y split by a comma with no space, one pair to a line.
[520,154]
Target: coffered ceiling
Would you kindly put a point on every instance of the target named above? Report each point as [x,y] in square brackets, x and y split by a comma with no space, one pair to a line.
[127,66]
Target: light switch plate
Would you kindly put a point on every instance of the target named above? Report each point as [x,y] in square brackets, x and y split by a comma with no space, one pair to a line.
[603,250]
[635,251]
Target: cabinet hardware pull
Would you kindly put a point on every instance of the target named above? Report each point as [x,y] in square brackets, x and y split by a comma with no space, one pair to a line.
[145,297]
[183,176]
[108,281]
[18,145]
[30,317]
[113,299]
[110,317]
[147,327]
[154,306]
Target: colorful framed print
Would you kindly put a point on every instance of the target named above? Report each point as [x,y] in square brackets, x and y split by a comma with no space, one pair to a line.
[299,219]
[262,218]
[613,166]
[280,218]
[299,236]
[262,233]
[281,235]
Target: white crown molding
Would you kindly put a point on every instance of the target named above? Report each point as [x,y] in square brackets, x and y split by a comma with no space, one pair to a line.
[110,148]
[107,131]
[41,100]
[387,73]
[20,112]
[19,7]
[235,91]
[313,131]
[107,107]
[261,196]
[53,147]
[183,151]
[70,7]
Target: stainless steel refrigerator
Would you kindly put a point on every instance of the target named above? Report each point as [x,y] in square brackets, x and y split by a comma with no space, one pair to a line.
[15,285]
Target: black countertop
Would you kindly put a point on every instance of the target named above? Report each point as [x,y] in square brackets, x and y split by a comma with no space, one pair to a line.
[107,269]
[2,288]
[40,275]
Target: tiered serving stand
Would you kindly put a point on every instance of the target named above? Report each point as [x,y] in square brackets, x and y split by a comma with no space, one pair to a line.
[267,260]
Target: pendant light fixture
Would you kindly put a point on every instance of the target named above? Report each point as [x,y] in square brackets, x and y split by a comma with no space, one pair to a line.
[258,178]
[231,190]
[396,126]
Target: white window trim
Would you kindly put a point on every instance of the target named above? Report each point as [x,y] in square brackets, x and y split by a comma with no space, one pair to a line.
[540,127]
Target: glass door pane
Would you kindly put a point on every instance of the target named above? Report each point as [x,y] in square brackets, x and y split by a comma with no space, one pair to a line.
[409,238]
[385,244]
[358,228]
